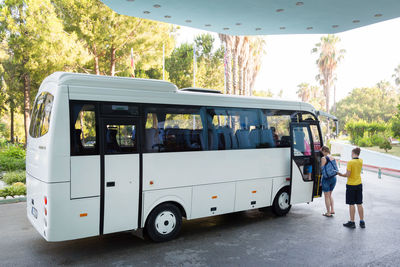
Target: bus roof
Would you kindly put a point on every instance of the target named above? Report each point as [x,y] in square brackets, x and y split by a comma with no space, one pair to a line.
[125,89]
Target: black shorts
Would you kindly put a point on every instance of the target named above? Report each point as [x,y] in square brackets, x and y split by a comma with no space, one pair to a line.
[354,194]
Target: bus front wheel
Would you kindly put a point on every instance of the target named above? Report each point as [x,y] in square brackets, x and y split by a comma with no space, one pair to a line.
[281,204]
[164,223]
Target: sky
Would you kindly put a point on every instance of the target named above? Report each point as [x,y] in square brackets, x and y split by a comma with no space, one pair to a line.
[372,54]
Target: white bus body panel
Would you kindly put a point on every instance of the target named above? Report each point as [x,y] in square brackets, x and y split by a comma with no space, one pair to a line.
[121,201]
[253,194]
[213,199]
[85,176]
[182,196]
[301,191]
[66,219]
[180,169]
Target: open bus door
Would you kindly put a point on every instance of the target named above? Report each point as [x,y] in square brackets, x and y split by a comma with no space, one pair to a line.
[305,182]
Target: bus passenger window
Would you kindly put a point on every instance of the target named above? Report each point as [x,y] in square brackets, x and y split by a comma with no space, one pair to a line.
[171,129]
[83,134]
[121,139]
[278,122]
[316,137]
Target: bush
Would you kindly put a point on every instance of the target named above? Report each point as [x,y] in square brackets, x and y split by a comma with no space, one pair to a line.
[16,189]
[12,158]
[14,176]
[13,151]
[364,142]
[377,139]
[11,164]
[360,130]
[385,145]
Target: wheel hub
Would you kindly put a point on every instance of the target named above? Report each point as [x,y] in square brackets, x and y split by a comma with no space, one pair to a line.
[283,200]
[165,222]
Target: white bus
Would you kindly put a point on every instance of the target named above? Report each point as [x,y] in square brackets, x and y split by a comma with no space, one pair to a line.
[110,154]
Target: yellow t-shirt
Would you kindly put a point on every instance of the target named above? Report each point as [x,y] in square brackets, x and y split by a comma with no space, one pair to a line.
[355,166]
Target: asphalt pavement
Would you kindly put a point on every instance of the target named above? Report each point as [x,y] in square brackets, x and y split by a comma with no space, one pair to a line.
[253,238]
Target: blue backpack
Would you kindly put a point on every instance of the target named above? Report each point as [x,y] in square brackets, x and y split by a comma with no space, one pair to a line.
[329,170]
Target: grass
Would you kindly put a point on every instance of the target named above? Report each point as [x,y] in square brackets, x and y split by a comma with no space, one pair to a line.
[395,151]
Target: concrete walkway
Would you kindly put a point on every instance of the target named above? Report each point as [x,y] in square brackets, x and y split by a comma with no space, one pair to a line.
[302,238]
[373,160]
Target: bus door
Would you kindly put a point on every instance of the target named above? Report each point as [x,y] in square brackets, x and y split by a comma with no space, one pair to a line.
[120,174]
[305,162]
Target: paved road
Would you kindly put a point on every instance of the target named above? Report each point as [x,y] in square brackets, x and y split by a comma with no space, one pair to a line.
[302,238]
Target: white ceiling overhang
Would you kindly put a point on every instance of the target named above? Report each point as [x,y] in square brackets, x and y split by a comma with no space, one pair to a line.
[259,17]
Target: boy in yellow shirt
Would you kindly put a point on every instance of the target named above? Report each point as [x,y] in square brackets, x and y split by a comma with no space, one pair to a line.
[354,188]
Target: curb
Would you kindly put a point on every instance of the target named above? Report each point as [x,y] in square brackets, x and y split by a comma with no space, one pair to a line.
[12,200]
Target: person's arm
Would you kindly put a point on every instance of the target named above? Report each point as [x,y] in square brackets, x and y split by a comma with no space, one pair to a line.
[347,174]
[323,161]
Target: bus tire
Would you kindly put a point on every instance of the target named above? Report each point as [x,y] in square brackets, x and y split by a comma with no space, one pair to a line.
[164,223]
[281,204]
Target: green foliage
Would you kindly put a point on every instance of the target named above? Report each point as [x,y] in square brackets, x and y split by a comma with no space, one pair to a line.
[3,142]
[209,68]
[12,158]
[109,37]
[13,151]
[368,104]
[396,123]
[364,142]
[14,177]
[361,130]
[377,139]
[385,145]
[16,189]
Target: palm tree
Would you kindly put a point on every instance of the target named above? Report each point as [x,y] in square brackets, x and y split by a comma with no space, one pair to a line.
[242,61]
[329,57]
[228,41]
[256,54]
[303,92]
[237,47]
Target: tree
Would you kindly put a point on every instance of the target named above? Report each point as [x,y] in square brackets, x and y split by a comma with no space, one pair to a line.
[109,37]
[311,94]
[369,104]
[396,123]
[210,72]
[228,41]
[329,57]
[37,45]
[396,75]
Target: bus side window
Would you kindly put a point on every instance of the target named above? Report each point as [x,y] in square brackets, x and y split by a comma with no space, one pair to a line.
[83,129]
[279,125]
[171,129]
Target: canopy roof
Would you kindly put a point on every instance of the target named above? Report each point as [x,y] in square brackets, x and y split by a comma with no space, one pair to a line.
[259,17]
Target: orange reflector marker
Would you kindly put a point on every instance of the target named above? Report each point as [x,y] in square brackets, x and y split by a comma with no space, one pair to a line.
[254,191]
[83,215]
[214,197]
[45,200]
[45,211]
[151,182]
[288,179]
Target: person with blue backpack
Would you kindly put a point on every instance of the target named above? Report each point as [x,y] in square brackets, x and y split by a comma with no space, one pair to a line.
[329,171]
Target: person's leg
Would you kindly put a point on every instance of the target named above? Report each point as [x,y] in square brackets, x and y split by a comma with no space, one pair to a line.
[331,201]
[352,212]
[360,210]
[332,186]
[327,202]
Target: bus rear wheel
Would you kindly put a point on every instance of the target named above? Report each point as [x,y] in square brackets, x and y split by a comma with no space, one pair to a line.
[281,204]
[164,223]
